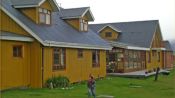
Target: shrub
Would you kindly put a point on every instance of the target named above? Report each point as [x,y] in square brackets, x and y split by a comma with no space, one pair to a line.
[56,82]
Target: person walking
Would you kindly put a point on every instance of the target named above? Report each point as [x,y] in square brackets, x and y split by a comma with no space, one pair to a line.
[91,86]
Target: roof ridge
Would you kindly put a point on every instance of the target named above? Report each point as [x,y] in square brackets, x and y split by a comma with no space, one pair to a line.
[123,22]
[74,8]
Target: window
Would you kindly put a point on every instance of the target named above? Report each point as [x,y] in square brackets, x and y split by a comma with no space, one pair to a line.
[59,58]
[17,51]
[158,58]
[149,57]
[83,25]
[108,34]
[95,58]
[80,53]
[44,16]
[153,52]
[126,64]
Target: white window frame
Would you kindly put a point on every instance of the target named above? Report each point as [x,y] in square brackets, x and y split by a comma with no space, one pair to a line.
[46,15]
[83,25]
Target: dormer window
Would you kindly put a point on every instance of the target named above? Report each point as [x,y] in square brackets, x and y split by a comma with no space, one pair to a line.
[44,16]
[108,34]
[83,25]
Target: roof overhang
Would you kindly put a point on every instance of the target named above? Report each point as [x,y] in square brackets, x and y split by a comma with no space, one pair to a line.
[52,2]
[17,38]
[137,48]
[158,48]
[126,46]
[25,6]
[71,17]
[89,14]
[113,28]
[75,45]
[117,44]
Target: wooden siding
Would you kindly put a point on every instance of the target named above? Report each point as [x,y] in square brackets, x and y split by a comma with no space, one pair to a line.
[7,24]
[156,43]
[31,13]
[75,23]
[157,39]
[36,65]
[154,60]
[168,59]
[0,64]
[15,71]
[47,5]
[77,69]
[108,29]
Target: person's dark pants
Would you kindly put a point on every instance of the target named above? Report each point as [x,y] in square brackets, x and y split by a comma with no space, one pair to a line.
[91,92]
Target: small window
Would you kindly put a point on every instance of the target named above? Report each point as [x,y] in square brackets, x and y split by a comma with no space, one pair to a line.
[83,25]
[17,51]
[80,53]
[108,34]
[158,58]
[95,58]
[153,52]
[44,16]
[47,19]
[59,58]
[149,57]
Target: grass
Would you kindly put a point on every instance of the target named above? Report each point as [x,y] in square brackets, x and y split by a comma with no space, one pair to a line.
[114,86]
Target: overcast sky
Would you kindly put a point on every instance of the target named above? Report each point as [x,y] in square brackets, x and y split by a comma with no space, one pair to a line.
[106,11]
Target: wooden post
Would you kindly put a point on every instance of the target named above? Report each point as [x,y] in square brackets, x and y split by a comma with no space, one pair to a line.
[157,73]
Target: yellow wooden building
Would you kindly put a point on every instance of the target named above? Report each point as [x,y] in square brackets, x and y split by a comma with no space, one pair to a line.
[39,40]
[136,45]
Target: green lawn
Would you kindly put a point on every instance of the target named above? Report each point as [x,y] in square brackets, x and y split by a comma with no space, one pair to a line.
[115,86]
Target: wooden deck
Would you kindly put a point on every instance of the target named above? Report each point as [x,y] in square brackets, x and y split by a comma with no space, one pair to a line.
[136,74]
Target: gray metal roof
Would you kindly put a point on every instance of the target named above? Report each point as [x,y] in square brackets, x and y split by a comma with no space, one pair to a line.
[138,33]
[75,13]
[25,2]
[59,31]
[32,3]
[168,46]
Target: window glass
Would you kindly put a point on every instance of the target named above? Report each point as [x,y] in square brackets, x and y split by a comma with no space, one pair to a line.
[59,59]
[40,10]
[17,51]
[108,34]
[45,11]
[95,58]
[80,53]
[149,57]
[63,57]
[47,19]
[83,25]
[56,56]
[44,16]
[158,57]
